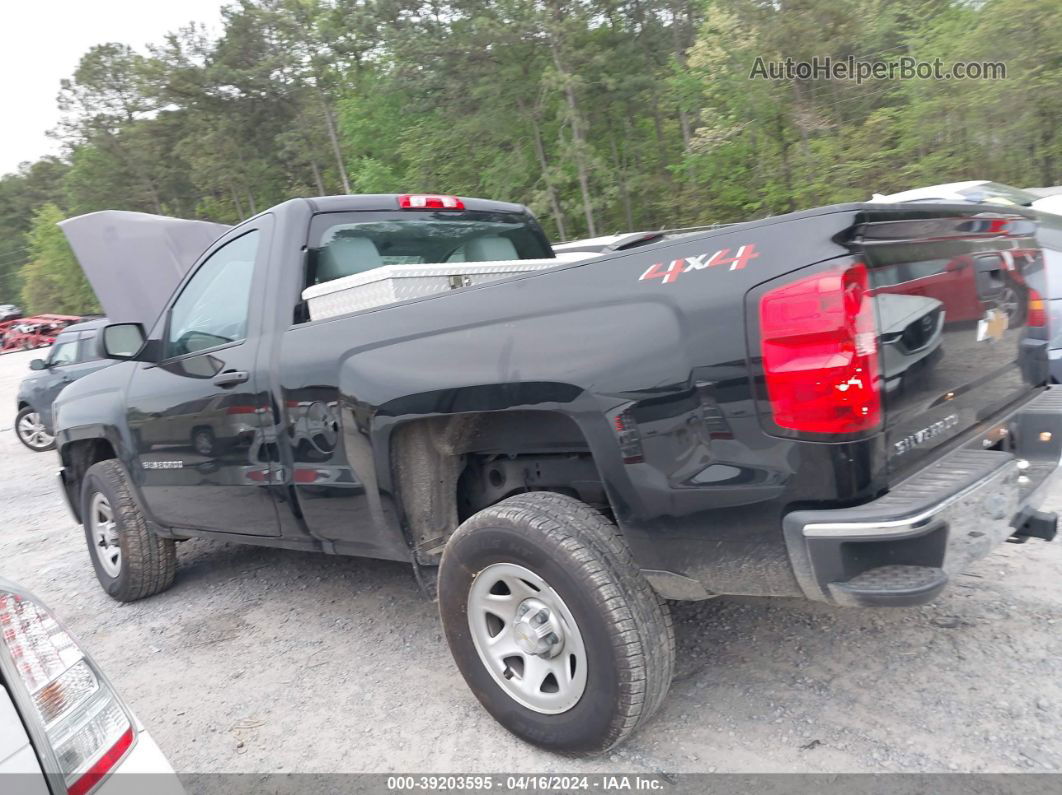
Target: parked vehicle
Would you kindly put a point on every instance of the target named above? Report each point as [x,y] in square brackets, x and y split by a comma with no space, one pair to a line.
[911,331]
[1047,288]
[38,331]
[976,191]
[9,312]
[63,728]
[570,446]
[1049,238]
[72,356]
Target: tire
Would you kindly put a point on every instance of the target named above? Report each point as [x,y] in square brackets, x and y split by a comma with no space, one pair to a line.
[586,576]
[204,442]
[31,432]
[134,562]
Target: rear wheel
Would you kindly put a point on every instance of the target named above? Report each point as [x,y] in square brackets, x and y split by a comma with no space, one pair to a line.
[552,625]
[31,431]
[204,441]
[131,562]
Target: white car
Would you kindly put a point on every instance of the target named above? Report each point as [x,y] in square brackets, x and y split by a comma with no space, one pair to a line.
[1049,204]
[63,729]
[976,191]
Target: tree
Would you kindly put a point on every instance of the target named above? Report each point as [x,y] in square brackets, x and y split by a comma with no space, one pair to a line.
[20,195]
[53,281]
[601,115]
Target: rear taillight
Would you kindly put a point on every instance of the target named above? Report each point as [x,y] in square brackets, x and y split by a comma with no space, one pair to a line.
[87,728]
[429,201]
[241,409]
[1037,309]
[820,353]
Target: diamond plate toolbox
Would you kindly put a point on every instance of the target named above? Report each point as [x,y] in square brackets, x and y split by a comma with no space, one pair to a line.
[393,283]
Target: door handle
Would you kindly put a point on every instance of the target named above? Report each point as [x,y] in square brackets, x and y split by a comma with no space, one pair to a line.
[231,378]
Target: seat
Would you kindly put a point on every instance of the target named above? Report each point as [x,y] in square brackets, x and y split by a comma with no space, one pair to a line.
[346,256]
[489,249]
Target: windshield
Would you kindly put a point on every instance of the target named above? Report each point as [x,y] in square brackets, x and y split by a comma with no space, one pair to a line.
[342,244]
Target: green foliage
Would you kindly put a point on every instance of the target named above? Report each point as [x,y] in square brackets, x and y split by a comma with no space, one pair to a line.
[52,280]
[601,115]
[20,195]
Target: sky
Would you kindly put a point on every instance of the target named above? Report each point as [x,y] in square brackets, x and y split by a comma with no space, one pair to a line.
[41,42]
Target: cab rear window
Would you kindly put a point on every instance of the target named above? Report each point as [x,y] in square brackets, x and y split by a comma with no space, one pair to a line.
[343,244]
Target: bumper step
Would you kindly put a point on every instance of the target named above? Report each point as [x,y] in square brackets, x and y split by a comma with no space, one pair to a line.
[890,586]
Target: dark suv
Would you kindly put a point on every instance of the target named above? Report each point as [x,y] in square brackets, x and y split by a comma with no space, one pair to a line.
[72,356]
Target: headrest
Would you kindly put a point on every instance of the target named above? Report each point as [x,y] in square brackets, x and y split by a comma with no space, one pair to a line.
[489,248]
[346,256]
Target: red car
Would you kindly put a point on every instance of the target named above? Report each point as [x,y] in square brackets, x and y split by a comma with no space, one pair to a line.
[38,331]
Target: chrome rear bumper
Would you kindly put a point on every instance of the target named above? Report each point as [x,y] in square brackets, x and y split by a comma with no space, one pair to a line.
[902,548]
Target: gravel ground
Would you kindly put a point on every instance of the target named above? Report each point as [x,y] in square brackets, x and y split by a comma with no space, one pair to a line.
[261,660]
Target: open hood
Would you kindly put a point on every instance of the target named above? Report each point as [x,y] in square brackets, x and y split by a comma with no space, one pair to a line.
[135,260]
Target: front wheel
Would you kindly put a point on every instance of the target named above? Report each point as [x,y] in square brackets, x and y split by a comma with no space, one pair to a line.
[131,562]
[32,432]
[552,625]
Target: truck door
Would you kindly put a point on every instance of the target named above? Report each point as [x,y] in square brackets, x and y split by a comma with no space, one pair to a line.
[197,415]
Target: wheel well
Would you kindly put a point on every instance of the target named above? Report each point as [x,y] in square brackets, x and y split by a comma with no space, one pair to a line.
[77,457]
[489,479]
[22,404]
[448,468]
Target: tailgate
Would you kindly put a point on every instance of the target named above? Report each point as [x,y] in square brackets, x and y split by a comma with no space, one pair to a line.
[958,343]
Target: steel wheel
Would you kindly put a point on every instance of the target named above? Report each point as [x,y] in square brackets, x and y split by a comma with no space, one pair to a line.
[527,638]
[32,432]
[203,442]
[104,533]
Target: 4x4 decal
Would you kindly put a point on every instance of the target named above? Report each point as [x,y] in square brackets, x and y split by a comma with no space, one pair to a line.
[671,271]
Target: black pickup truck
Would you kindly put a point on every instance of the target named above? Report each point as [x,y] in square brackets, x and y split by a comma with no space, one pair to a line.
[845,404]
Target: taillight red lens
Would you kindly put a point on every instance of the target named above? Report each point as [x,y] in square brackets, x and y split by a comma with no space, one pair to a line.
[429,201]
[1037,309]
[102,766]
[820,353]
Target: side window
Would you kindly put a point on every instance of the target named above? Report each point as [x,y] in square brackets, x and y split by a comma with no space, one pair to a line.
[213,307]
[64,351]
[87,347]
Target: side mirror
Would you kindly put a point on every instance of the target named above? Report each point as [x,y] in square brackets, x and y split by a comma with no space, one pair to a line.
[121,341]
[38,364]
